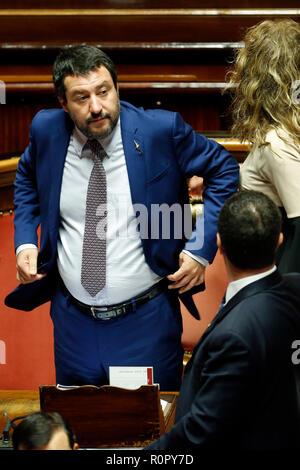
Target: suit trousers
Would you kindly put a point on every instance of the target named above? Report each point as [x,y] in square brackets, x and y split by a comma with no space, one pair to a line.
[149,336]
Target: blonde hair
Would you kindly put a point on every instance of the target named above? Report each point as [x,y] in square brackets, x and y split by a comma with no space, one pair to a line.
[263,82]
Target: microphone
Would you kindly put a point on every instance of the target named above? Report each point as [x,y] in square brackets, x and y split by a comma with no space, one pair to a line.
[6,431]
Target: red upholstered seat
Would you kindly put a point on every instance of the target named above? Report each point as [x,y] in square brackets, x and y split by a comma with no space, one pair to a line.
[26,337]
[207,302]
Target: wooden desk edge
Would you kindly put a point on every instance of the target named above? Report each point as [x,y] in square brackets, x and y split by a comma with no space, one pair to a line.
[21,402]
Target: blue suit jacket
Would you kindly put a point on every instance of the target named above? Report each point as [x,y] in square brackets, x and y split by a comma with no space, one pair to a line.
[168,152]
[240,387]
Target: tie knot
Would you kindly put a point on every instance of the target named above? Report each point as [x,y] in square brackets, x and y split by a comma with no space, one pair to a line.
[93,148]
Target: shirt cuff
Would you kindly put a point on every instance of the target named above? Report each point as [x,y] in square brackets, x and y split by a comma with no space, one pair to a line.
[24,246]
[200,260]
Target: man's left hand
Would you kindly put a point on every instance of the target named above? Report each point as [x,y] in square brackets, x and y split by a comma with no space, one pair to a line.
[190,274]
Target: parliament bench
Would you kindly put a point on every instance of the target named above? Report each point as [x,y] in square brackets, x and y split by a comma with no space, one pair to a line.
[169,55]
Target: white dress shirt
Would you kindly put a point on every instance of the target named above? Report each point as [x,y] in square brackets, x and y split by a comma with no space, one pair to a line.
[127,273]
[235,286]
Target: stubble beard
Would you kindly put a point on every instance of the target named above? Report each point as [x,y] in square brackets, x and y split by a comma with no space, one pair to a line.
[87,131]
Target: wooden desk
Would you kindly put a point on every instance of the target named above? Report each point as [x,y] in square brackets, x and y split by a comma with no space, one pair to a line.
[22,402]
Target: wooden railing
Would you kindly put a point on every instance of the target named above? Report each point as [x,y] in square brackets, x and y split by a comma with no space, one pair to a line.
[148,4]
[146,78]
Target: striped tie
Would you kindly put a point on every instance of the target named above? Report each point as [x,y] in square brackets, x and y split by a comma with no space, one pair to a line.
[93,268]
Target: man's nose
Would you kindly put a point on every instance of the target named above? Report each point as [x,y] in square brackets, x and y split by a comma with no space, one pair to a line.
[95,104]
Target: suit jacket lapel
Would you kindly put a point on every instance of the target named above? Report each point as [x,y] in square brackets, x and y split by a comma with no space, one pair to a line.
[133,144]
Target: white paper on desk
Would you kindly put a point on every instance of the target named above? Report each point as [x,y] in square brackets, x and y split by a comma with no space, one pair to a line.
[130,377]
[163,403]
[66,387]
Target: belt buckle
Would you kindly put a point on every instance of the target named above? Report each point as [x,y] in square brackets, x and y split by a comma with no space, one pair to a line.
[99,309]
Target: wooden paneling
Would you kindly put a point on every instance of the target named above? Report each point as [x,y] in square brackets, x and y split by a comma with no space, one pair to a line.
[178,80]
[203,112]
[194,77]
[126,73]
[138,25]
[146,4]
[173,57]
[15,119]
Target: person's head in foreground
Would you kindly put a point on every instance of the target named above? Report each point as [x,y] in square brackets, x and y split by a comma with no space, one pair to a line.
[44,431]
[249,232]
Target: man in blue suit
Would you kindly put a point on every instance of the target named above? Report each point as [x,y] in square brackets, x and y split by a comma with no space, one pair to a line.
[239,390]
[152,251]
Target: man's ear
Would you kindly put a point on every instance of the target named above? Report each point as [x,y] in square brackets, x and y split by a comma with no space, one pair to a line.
[280,240]
[219,243]
[63,104]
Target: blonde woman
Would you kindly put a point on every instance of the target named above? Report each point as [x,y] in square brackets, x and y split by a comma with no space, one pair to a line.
[266,113]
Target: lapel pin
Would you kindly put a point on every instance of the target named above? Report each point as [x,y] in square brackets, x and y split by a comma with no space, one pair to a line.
[137,146]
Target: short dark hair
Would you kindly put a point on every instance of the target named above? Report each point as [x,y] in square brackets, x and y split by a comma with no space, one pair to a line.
[36,430]
[249,226]
[79,60]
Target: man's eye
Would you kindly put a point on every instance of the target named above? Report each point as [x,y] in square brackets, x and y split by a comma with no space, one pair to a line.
[80,98]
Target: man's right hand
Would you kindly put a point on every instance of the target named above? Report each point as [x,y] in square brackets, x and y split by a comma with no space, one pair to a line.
[27,266]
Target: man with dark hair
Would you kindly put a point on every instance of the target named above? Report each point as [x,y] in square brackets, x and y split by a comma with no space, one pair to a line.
[80,60]
[44,431]
[107,182]
[239,389]
[249,228]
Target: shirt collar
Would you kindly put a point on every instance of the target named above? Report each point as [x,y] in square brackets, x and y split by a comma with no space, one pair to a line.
[235,286]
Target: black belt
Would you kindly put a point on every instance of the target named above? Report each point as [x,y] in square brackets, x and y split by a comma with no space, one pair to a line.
[113,311]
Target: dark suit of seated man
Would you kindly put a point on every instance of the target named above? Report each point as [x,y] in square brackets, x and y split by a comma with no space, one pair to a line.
[239,388]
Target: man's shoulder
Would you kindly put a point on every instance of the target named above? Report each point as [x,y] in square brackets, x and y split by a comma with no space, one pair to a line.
[274,306]
[292,278]
[155,116]
[286,287]
[142,111]
[48,117]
